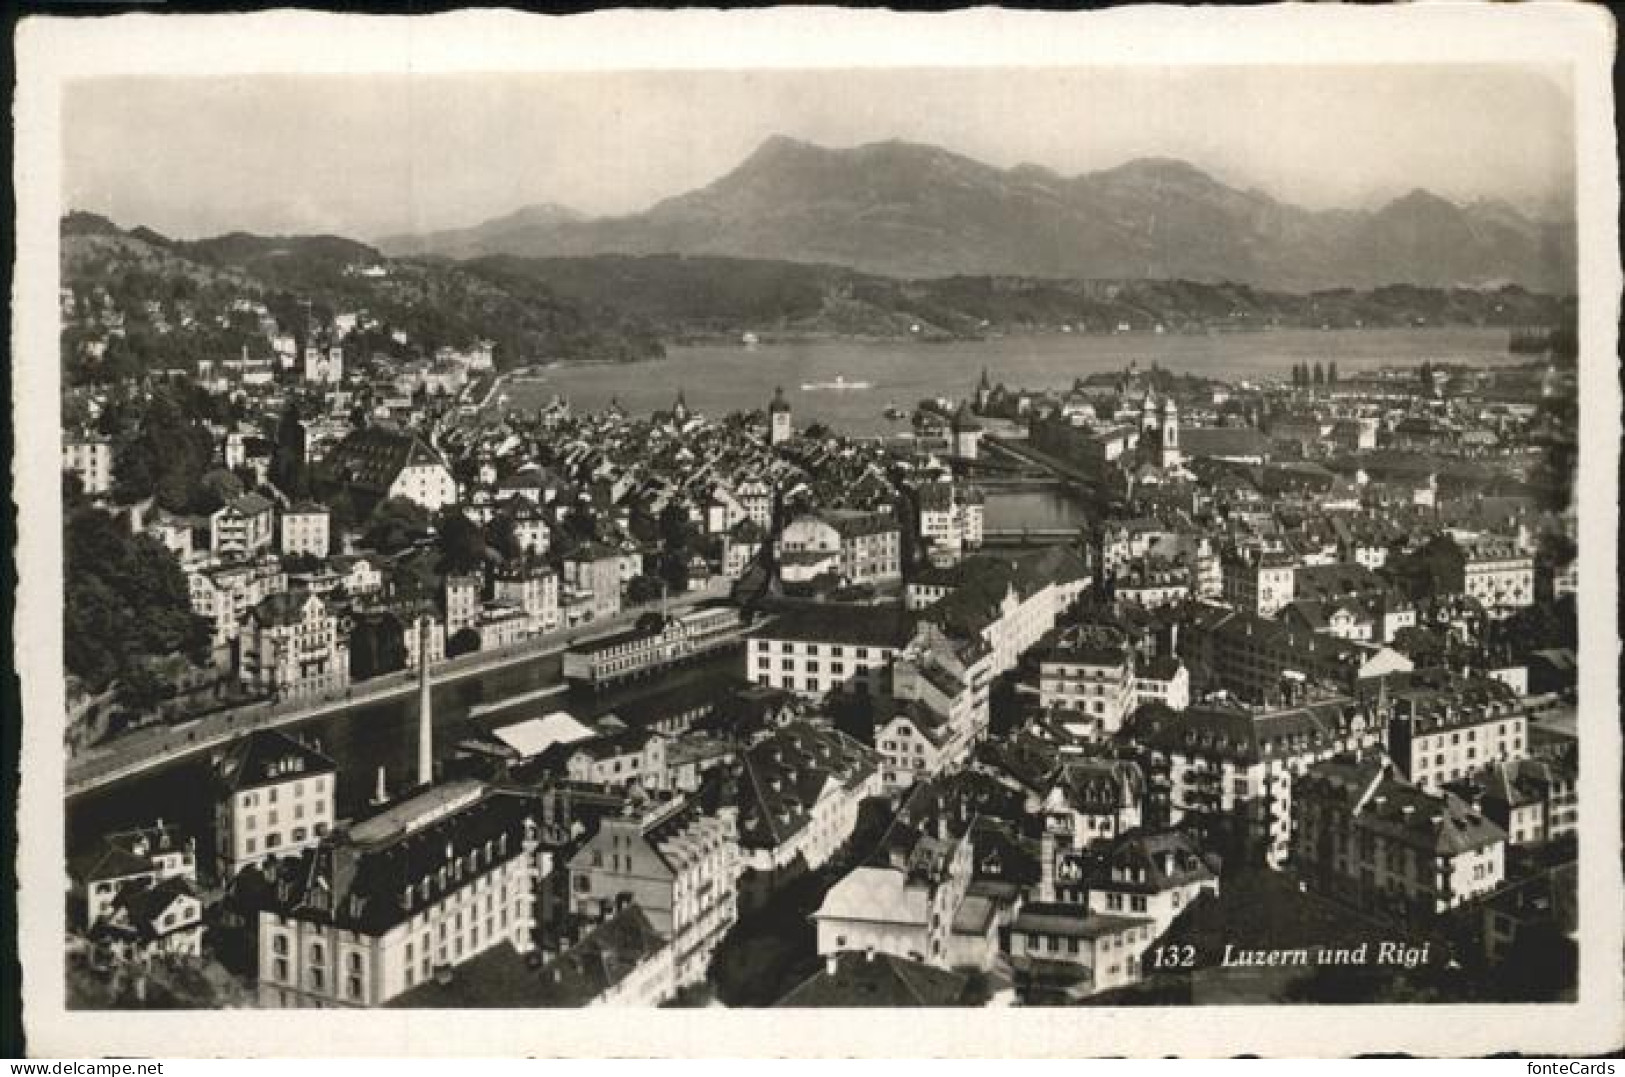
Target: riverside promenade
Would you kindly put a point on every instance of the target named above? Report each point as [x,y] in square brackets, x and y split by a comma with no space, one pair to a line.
[156,746]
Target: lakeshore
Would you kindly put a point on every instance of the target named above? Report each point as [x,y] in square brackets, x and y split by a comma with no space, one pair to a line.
[718,379]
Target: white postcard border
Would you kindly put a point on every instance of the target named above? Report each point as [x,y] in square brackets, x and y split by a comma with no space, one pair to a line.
[52,51]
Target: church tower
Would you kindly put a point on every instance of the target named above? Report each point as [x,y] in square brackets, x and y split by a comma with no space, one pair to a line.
[1171,455]
[778,414]
[1150,418]
[984,391]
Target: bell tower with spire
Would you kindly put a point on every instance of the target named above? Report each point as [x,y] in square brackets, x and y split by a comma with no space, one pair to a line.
[1171,454]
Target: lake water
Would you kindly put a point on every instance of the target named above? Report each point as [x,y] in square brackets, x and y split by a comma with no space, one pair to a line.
[720,379]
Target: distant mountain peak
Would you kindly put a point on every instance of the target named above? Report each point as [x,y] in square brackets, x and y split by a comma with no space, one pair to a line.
[1158,168]
[542,213]
[777,146]
[907,209]
[1418,198]
[85,223]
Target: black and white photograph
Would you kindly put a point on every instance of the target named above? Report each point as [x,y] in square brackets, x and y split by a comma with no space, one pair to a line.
[1095,534]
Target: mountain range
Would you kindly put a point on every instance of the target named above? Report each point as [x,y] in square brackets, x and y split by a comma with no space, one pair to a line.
[914,211]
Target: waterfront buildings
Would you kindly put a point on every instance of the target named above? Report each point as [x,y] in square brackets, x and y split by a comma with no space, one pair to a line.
[813,650]
[1145,733]
[644,649]
[591,585]
[532,588]
[291,646]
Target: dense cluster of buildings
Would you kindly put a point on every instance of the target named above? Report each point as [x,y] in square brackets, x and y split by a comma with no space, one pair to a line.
[1273,648]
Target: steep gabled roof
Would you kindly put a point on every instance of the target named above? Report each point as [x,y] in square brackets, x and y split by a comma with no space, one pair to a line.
[268,757]
[862,979]
[371,459]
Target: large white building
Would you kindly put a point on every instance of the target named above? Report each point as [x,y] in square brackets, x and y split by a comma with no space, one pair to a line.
[274,799]
[91,459]
[1229,769]
[799,793]
[1090,670]
[1366,837]
[290,645]
[428,883]
[1496,573]
[857,547]
[678,865]
[817,649]
[305,530]
[243,527]
[379,463]
[905,903]
[950,521]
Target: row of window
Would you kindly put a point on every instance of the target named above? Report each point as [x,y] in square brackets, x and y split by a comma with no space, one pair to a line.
[1135,902]
[836,650]
[273,839]
[318,785]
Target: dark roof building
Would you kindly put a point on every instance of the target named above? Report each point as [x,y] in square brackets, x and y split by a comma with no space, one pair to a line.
[268,757]
[854,979]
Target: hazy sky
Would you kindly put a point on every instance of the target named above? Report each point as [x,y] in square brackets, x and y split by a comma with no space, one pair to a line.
[369,156]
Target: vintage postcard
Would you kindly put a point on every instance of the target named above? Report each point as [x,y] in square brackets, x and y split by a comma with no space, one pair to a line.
[1095,529]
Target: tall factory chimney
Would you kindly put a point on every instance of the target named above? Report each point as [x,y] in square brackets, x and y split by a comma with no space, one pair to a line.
[425,708]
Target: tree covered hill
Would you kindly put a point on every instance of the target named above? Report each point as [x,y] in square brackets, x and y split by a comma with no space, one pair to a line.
[686,297]
[174,303]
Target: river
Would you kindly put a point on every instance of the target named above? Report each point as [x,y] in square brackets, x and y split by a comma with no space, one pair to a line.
[360,741]
[720,379]
[1042,509]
